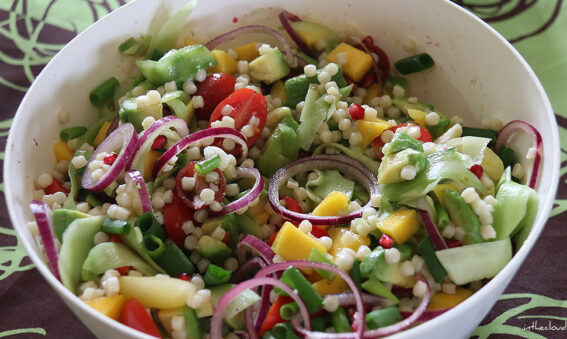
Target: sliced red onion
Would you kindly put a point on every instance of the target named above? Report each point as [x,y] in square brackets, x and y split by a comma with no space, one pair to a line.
[136,178]
[246,269]
[247,199]
[261,248]
[181,145]
[148,136]
[342,163]
[432,230]
[506,135]
[285,18]
[42,214]
[427,315]
[216,321]
[359,319]
[250,30]
[123,137]
[349,299]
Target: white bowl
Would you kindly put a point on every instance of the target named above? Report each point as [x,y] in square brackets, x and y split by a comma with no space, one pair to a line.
[478,74]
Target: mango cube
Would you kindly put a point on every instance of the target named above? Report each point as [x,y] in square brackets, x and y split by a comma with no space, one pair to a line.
[109,306]
[418,116]
[62,152]
[336,234]
[292,244]
[442,300]
[401,225]
[371,129]
[358,62]
[225,63]
[332,204]
[324,287]
[247,52]
[101,134]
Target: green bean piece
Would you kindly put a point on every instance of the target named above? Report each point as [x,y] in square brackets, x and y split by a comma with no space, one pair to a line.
[153,246]
[104,92]
[208,165]
[192,327]
[157,54]
[297,281]
[481,132]
[383,317]
[318,324]
[288,310]
[317,256]
[149,225]
[463,215]
[442,215]
[507,155]
[355,272]
[72,133]
[377,288]
[115,226]
[284,331]
[414,63]
[174,261]
[216,275]
[340,320]
[428,253]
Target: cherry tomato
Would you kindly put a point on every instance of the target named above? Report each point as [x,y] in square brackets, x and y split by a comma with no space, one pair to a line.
[55,187]
[135,316]
[175,214]
[214,89]
[123,270]
[115,238]
[246,104]
[292,205]
[377,143]
[192,199]
[319,232]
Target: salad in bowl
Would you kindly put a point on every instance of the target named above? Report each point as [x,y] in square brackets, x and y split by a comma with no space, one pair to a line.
[279,190]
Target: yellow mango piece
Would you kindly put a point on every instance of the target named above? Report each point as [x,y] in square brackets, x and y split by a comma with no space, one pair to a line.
[109,306]
[225,63]
[358,62]
[278,91]
[492,165]
[336,234]
[418,116]
[158,291]
[400,225]
[151,158]
[442,300]
[332,204]
[62,152]
[372,92]
[438,190]
[371,129]
[292,244]
[324,287]
[247,52]
[101,135]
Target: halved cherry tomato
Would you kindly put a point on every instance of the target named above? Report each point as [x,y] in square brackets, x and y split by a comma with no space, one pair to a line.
[135,316]
[270,241]
[292,205]
[273,317]
[377,143]
[214,89]
[55,187]
[123,270]
[193,200]
[246,103]
[319,232]
[175,214]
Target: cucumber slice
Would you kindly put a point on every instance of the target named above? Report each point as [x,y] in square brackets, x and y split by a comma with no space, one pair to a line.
[474,262]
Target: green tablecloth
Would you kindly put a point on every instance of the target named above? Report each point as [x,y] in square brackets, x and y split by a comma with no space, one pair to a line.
[534,304]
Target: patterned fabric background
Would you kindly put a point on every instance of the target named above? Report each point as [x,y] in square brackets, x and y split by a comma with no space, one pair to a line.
[533,306]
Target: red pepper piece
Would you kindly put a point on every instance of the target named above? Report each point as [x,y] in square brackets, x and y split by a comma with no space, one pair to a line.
[159,142]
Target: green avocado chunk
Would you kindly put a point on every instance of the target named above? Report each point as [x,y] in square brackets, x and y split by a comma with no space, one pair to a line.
[269,67]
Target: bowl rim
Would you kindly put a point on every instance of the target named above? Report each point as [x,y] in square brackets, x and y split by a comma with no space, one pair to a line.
[538,225]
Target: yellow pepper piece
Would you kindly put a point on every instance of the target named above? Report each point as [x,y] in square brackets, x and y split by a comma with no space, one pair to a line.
[151,159]
[278,91]
[332,204]
[401,225]
[372,92]
[442,300]
[247,52]
[101,135]
[336,234]
[62,152]
[371,129]
[225,63]
[358,62]
[492,165]
[292,244]
[438,190]
[109,306]
[418,116]
[324,287]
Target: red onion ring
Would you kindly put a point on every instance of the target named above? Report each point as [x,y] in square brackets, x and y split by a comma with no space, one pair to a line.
[249,30]
[247,199]
[340,162]
[136,177]
[42,214]
[124,137]
[349,299]
[216,132]
[148,136]
[261,248]
[359,320]
[285,18]
[508,131]
[432,230]
[245,270]
[216,321]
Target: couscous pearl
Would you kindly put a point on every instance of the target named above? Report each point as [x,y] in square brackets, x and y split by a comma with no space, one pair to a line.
[449,231]
[414,132]
[432,119]
[201,75]
[348,238]
[487,232]
[398,91]
[198,282]
[370,114]
[207,195]
[387,136]
[392,255]
[201,215]
[212,177]
[203,265]
[344,260]
[323,77]
[100,237]
[218,233]
[419,289]
[326,241]
[345,124]
[531,153]
[305,226]
[331,303]
[188,183]
[310,70]
[469,195]
[362,252]
[231,264]
[393,112]
[355,139]
[44,180]
[408,172]
[518,171]
[407,269]
[178,323]
[449,288]
[332,69]
[460,233]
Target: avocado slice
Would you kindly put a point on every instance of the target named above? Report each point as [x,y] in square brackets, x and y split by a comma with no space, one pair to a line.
[296,88]
[62,218]
[315,35]
[213,249]
[269,67]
